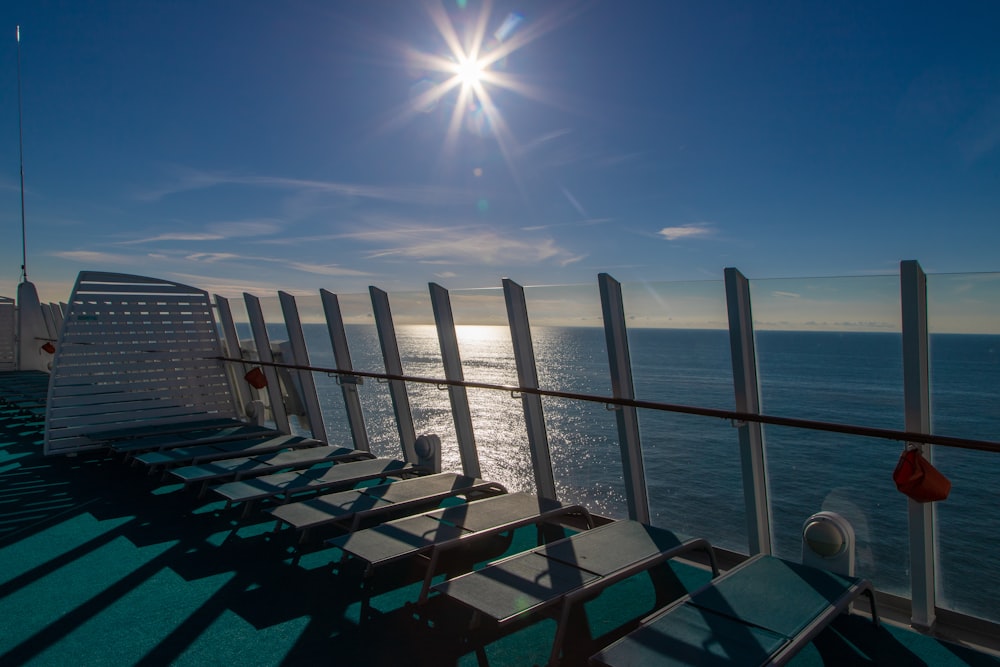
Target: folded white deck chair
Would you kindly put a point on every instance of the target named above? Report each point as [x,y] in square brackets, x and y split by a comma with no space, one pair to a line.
[135,354]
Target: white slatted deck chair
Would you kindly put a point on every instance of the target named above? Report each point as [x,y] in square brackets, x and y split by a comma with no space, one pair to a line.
[136,355]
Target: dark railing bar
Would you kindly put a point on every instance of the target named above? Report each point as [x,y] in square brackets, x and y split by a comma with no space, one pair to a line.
[731,415]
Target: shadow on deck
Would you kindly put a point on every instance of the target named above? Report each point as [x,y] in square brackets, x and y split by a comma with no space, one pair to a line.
[99,566]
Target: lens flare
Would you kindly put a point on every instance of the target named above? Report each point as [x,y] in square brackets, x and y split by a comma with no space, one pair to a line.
[469,71]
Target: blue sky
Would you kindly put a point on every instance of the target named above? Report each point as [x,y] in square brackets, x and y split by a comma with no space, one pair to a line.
[305,144]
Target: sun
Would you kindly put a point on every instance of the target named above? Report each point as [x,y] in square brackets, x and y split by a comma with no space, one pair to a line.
[470,74]
[469,70]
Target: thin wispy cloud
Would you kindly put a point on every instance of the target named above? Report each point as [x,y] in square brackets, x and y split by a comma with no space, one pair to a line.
[245,228]
[478,245]
[97,258]
[304,267]
[176,236]
[572,260]
[190,180]
[785,295]
[211,256]
[216,231]
[691,231]
[325,269]
[574,223]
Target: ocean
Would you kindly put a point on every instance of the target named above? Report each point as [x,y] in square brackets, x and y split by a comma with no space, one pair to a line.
[692,463]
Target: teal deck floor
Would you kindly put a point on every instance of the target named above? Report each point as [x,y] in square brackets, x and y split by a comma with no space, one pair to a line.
[99,566]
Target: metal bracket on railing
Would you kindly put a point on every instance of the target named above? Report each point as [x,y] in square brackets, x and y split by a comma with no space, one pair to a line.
[441,387]
[346,379]
[611,407]
[515,394]
[737,423]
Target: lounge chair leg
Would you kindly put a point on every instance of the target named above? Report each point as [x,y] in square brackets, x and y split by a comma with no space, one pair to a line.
[871,601]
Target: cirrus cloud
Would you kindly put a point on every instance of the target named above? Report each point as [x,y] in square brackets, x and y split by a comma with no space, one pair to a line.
[690,231]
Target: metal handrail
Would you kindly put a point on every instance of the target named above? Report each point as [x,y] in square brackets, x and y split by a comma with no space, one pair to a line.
[731,415]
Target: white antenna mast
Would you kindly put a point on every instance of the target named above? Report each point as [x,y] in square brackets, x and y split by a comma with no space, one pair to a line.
[20,148]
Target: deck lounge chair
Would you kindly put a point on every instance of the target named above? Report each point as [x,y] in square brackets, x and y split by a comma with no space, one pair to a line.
[555,578]
[348,509]
[759,613]
[158,438]
[282,486]
[436,534]
[263,464]
[181,456]
[135,356]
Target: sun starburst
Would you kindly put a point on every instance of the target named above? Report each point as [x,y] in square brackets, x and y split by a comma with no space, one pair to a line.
[469,73]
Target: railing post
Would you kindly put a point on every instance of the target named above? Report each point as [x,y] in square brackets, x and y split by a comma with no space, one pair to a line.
[916,399]
[745,385]
[527,376]
[627,417]
[263,344]
[232,340]
[297,340]
[342,359]
[394,366]
[452,360]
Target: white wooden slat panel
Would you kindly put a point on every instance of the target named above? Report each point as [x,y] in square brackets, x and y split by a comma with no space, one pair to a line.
[96,393]
[133,363]
[126,403]
[134,351]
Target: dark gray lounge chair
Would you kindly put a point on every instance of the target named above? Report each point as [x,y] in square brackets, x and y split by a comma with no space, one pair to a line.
[434,535]
[557,577]
[282,486]
[759,613]
[181,456]
[263,464]
[159,438]
[348,509]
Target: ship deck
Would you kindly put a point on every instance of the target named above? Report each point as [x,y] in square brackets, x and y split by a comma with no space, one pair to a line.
[101,564]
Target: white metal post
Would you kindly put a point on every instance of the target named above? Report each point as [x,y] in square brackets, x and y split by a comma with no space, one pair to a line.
[394,366]
[627,417]
[527,376]
[916,399]
[342,359]
[293,324]
[232,340]
[263,344]
[745,385]
[445,321]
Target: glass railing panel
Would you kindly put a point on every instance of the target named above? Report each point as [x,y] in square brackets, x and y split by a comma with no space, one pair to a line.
[320,354]
[366,355]
[487,354]
[964,324]
[679,346]
[420,354]
[570,355]
[830,350]
[693,477]
[679,343]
